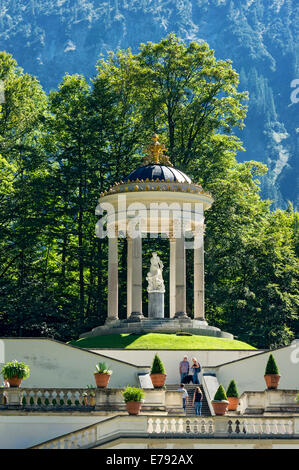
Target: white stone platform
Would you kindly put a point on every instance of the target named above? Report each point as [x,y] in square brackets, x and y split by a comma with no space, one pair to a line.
[161,325]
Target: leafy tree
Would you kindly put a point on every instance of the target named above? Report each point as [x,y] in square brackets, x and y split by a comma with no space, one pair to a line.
[58,153]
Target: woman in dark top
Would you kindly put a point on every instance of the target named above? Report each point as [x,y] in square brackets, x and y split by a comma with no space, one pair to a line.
[196,369]
[197,401]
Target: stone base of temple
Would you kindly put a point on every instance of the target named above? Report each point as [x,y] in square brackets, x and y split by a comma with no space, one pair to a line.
[161,325]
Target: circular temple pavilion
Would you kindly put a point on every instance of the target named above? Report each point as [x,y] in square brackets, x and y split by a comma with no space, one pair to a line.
[155,199]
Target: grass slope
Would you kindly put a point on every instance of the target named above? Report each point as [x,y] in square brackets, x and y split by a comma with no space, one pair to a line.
[159,341]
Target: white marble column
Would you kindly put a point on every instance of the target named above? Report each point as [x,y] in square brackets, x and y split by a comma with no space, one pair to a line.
[137,275]
[172,264]
[199,307]
[129,276]
[112,279]
[180,277]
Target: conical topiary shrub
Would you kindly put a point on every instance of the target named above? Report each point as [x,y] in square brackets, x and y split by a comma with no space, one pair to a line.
[271,367]
[158,373]
[232,390]
[220,395]
[232,396]
[220,402]
[271,376]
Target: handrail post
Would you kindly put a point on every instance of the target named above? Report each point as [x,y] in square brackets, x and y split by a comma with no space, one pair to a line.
[14,396]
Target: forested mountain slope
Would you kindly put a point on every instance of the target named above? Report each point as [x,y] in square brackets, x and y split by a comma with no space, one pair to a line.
[51,37]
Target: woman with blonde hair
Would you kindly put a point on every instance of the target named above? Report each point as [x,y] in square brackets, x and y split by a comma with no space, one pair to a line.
[197,401]
[196,369]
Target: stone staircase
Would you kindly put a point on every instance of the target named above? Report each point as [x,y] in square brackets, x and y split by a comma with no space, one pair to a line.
[205,410]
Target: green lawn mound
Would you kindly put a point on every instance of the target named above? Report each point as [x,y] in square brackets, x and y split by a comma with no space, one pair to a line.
[159,341]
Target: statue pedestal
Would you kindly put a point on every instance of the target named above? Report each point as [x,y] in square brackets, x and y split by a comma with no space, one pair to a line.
[156,305]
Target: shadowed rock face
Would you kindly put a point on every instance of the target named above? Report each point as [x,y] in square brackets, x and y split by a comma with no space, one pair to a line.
[51,37]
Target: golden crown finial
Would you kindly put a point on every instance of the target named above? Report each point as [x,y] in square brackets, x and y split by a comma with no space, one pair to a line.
[155,153]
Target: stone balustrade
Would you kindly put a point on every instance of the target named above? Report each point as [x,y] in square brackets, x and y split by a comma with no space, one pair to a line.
[107,400]
[268,401]
[161,426]
[45,398]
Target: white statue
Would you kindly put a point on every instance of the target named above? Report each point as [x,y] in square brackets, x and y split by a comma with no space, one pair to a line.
[154,277]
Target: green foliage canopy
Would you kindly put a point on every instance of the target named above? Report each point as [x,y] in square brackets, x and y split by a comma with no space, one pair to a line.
[59,152]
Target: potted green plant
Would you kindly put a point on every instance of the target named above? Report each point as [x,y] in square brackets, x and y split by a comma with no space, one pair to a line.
[102,375]
[220,402]
[158,373]
[14,372]
[232,396]
[133,398]
[271,376]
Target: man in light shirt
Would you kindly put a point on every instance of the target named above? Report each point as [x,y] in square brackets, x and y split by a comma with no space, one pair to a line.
[184,368]
[185,395]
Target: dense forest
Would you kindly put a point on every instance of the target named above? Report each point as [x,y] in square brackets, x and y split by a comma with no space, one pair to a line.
[49,38]
[59,151]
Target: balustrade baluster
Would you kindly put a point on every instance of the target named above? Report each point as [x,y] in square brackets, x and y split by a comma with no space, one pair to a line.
[73,398]
[187,426]
[98,432]
[274,426]
[91,435]
[267,427]
[173,426]
[42,397]
[211,426]
[180,426]
[158,427]
[24,398]
[76,441]
[35,397]
[260,426]
[165,426]
[282,427]
[63,443]
[56,445]
[70,442]
[76,398]
[203,426]
[195,426]
[150,428]
[237,428]
[229,427]
[86,437]
[250,426]
[244,429]
[62,398]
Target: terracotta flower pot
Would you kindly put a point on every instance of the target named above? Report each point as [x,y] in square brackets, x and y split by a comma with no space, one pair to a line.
[272,381]
[232,403]
[220,407]
[133,407]
[158,380]
[14,382]
[102,380]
